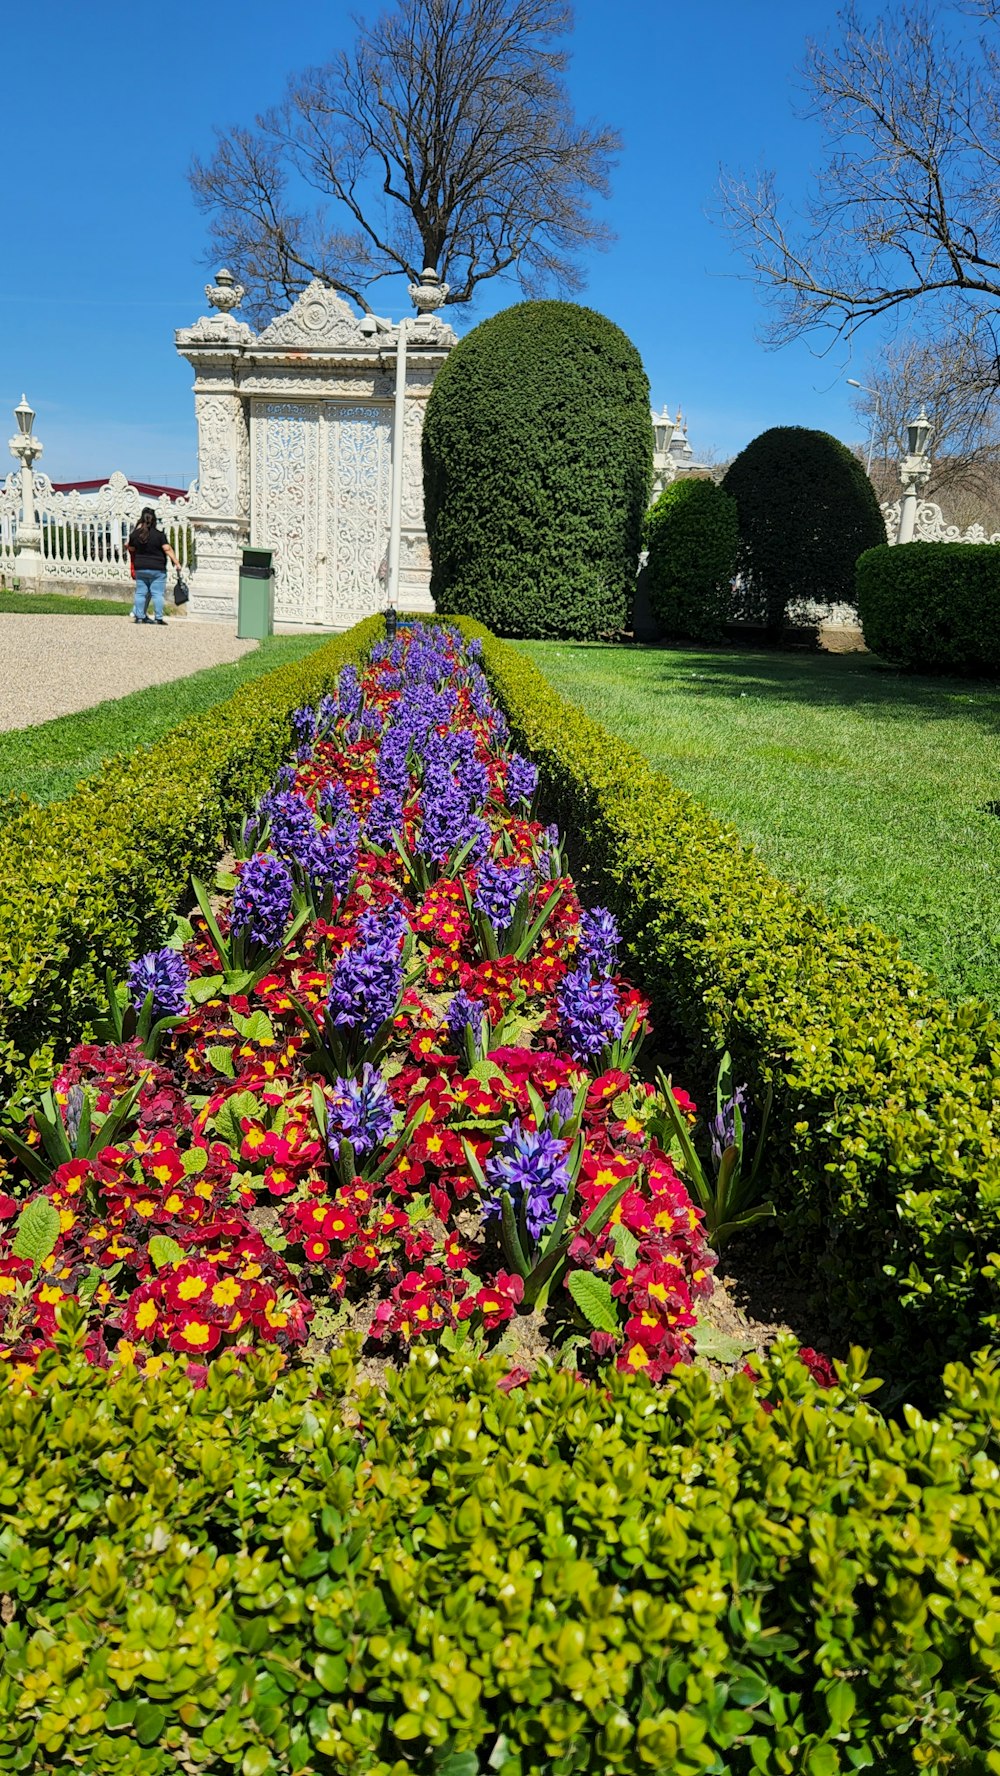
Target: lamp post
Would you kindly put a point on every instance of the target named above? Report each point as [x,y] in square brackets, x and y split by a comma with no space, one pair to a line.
[427,296]
[29,538]
[865,390]
[914,471]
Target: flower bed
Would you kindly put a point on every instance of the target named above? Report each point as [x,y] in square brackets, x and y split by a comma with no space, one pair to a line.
[885,1094]
[383,1083]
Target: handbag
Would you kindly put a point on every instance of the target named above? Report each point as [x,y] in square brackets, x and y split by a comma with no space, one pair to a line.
[181,593]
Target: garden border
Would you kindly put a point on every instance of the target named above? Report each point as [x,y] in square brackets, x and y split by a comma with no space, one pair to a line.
[87,882]
[886,1094]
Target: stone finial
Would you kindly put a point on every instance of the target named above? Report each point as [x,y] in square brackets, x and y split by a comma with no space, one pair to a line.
[225,294]
[430,293]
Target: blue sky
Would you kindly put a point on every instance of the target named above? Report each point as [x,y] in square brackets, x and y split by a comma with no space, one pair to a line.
[104,249]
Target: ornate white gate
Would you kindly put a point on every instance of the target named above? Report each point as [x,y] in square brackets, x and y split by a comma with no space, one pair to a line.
[320,486]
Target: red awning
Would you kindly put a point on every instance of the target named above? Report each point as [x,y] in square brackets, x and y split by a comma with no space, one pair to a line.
[146,487]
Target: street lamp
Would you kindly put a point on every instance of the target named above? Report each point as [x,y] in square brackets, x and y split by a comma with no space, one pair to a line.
[26,448]
[427,296]
[914,471]
[865,390]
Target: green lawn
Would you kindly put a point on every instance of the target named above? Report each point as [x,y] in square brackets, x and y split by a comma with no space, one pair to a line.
[46,762]
[58,604]
[868,787]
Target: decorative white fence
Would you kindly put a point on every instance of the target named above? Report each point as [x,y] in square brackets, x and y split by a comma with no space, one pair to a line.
[84,534]
[930,526]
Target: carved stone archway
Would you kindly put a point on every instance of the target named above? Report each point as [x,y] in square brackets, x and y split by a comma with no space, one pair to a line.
[294,454]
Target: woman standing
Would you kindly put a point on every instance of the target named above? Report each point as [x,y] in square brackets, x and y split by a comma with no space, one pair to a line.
[150,553]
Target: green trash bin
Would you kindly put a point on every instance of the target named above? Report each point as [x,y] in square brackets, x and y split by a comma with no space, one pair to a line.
[256,608]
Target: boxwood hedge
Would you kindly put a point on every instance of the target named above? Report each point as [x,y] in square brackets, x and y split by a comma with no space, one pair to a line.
[934,607]
[886,1133]
[279,1573]
[89,882]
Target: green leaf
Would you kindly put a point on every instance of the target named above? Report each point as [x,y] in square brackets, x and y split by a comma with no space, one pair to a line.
[225,881]
[163,1251]
[255,1028]
[458,1763]
[221,1058]
[37,1230]
[593,1297]
[227,1117]
[257,1761]
[718,1347]
[119,1715]
[149,1723]
[625,1243]
[194,1160]
[207,986]
[181,934]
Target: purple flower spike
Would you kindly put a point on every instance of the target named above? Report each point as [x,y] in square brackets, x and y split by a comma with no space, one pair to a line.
[304,731]
[366,981]
[588,1013]
[723,1126]
[164,973]
[293,828]
[359,1111]
[522,779]
[333,856]
[465,1014]
[599,939]
[262,901]
[498,889]
[529,1166]
[333,800]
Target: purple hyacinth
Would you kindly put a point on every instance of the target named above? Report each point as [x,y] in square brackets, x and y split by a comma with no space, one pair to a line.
[599,939]
[447,820]
[522,779]
[499,887]
[588,1013]
[360,1111]
[465,1014]
[723,1126]
[349,692]
[262,901]
[164,973]
[385,816]
[529,1166]
[304,731]
[366,981]
[333,855]
[562,1103]
[293,827]
[326,715]
[333,800]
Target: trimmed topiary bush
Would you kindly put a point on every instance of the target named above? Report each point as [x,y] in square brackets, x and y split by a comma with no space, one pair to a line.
[806,511]
[692,534]
[935,606]
[538,450]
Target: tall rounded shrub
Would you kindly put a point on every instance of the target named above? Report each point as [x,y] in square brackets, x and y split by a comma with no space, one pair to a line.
[806,511]
[538,450]
[692,536]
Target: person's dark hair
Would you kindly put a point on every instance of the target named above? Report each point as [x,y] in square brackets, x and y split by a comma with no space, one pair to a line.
[147,522]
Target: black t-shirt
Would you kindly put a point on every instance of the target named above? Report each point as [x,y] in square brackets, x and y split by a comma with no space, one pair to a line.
[151,551]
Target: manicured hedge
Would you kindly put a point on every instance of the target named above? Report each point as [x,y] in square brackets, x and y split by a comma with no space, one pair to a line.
[807,510]
[538,457]
[285,1572]
[692,536]
[935,606]
[89,882]
[886,1134]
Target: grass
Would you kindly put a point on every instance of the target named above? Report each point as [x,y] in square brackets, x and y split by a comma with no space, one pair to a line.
[46,762]
[57,604]
[870,788]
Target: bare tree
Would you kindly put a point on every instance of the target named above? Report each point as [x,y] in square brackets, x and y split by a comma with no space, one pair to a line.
[445,138]
[906,207]
[947,375]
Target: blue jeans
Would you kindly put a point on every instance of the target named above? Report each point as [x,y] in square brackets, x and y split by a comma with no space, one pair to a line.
[150,583]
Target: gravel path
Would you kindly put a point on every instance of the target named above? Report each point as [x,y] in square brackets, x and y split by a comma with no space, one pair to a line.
[53,666]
